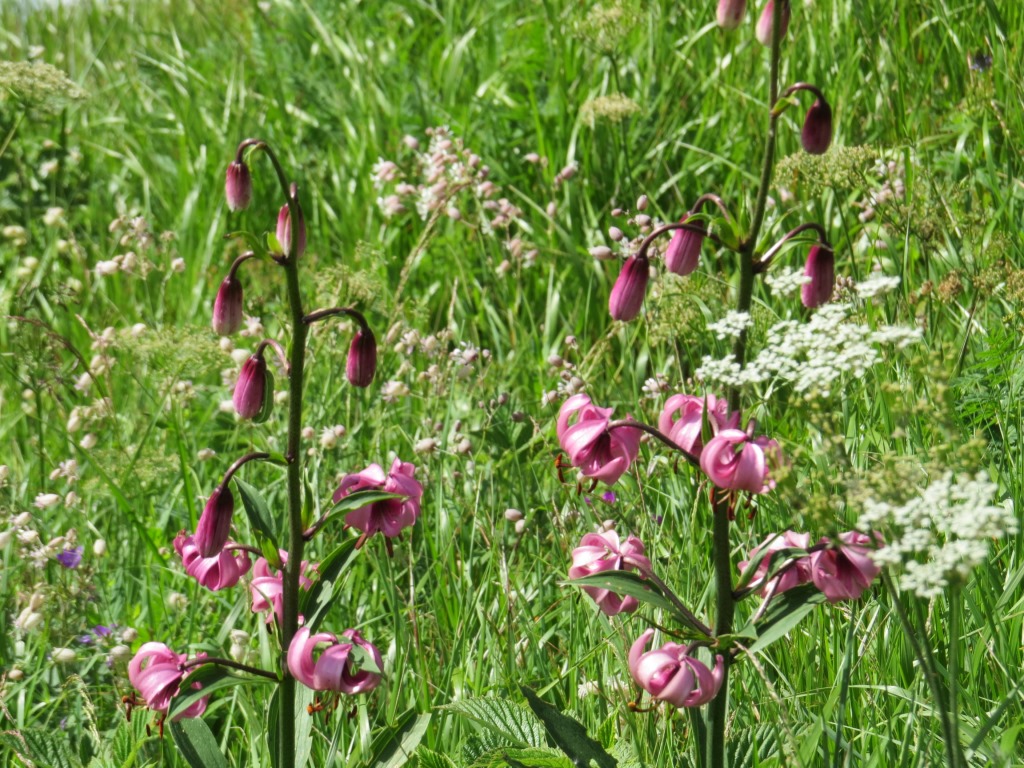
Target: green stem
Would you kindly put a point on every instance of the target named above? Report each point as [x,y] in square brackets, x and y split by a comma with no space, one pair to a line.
[296,542]
[725,608]
[952,669]
[931,675]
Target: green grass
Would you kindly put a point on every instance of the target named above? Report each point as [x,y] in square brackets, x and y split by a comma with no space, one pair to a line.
[468,608]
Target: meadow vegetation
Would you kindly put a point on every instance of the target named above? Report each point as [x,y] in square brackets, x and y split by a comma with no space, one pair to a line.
[459,166]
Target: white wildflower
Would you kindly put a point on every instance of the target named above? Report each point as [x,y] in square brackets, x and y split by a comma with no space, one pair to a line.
[876,284]
[785,282]
[731,325]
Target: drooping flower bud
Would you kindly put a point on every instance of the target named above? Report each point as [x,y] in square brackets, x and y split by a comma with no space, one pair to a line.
[227,307]
[821,268]
[730,13]
[238,186]
[251,388]
[683,252]
[817,131]
[362,358]
[629,289]
[764,23]
[215,523]
[284,231]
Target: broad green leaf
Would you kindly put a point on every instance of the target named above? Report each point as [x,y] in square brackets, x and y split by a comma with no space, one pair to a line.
[313,604]
[634,585]
[514,723]
[197,743]
[395,744]
[568,734]
[212,678]
[428,758]
[359,499]
[784,613]
[257,510]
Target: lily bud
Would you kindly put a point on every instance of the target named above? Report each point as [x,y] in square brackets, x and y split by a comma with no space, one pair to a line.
[817,131]
[730,13]
[764,23]
[215,522]
[284,231]
[251,388]
[821,268]
[238,186]
[629,290]
[683,252]
[362,358]
[227,307]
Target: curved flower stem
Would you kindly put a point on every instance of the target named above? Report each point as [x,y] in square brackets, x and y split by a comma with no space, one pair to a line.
[281,356]
[238,262]
[709,197]
[780,106]
[322,314]
[622,423]
[766,260]
[199,662]
[239,463]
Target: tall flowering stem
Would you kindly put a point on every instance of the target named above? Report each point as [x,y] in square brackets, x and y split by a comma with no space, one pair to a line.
[725,603]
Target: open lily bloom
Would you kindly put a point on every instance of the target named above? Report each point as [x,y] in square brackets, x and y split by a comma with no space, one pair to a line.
[669,674]
[598,452]
[599,552]
[335,668]
[267,587]
[392,515]
[797,574]
[682,420]
[221,571]
[734,461]
[845,571]
[156,673]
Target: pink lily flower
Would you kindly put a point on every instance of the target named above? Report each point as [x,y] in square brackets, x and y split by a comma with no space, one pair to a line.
[267,587]
[599,552]
[599,453]
[794,576]
[214,524]
[682,420]
[390,516]
[669,674]
[156,673]
[334,669]
[218,572]
[734,461]
[846,570]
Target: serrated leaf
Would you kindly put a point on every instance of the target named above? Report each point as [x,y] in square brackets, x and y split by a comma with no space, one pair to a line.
[313,604]
[212,678]
[511,721]
[625,754]
[634,585]
[127,741]
[197,744]
[394,745]
[257,510]
[784,613]
[570,736]
[535,757]
[428,758]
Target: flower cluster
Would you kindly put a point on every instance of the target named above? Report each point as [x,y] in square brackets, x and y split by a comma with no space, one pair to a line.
[941,534]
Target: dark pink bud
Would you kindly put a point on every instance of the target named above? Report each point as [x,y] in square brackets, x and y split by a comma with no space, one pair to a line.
[731,12]
[362,358]
[821,268]
[284,231]
[764,23]
[238,186]
[683,252]
[227,307]
[251,387]
[629,290]
[817,132]
[215,522]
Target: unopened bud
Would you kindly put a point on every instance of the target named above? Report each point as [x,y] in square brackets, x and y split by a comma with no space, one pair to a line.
[730,13]
[64,655]
[816,135]
[641,203]
[227,307]
[628,293]
[238,186]
[99,547]
[683,252]
[763,32]
[602,252]
[362,358]
[284,231]
[821,268]
[215,523]
[513,515]
[251,388]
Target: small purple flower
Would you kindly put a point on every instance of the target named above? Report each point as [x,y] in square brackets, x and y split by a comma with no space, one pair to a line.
[71,558]
[100,631]
[608,497]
